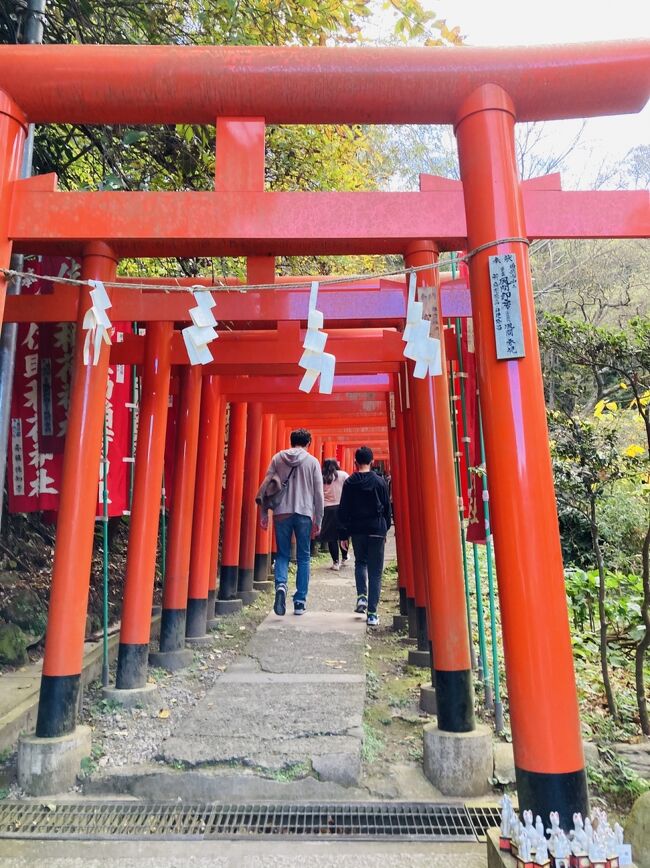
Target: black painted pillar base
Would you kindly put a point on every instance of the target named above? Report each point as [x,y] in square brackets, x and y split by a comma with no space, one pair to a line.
[542,793]
[422,628]
[245,590]
[132,666]
[228,577]
[261,568]
[197,617]
[57,705]
[403,602]
[245,578]
[172,629]
[455,700]
[212,596]
[410,612]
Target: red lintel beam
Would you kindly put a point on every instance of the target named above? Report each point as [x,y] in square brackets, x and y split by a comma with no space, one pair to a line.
[297,223]
[154,84]
[345,305]
[347,387]
[267,349]
[331,417]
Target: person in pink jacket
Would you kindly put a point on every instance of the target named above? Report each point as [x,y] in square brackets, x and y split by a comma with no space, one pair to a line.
[333,479]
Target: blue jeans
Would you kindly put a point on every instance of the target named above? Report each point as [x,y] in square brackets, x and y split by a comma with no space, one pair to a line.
[285,528]
[368,566]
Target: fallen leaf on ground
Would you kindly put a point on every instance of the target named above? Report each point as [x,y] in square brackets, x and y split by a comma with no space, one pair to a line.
[163,713]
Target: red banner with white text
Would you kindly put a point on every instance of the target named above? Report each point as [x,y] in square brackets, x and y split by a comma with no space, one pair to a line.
[39,407]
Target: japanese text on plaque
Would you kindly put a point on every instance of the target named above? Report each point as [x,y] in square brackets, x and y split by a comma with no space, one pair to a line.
[505,307]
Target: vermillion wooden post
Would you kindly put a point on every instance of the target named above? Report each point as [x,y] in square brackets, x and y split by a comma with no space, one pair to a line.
[216,521]
[404,563]
[135,629]
[227,599]
[204,498]
[280,444]
[245,576]
[66,624]
[403,507]
[548,750]
[13,126]
[329,449]
[419,628]
[172,625]
[262,542]
[441,549]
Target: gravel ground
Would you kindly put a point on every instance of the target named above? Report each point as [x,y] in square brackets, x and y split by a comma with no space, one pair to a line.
[124,736]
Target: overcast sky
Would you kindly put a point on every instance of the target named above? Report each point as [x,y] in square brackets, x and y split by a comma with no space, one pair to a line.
[521,22]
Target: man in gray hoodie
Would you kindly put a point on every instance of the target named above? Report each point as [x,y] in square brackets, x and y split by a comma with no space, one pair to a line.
[299,512]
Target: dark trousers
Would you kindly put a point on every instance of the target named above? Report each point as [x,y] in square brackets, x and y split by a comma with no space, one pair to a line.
[334,551]
[369,566]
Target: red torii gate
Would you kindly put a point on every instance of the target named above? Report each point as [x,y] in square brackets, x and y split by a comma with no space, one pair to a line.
[481,91]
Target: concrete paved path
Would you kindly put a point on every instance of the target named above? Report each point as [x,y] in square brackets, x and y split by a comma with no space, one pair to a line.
[235,854]
[294,700]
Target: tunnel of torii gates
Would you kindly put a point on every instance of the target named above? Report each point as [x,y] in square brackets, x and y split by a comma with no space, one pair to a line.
[483,92]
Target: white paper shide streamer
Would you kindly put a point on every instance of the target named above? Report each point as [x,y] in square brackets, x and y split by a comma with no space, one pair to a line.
[315,361]
[96,322]
[420,346]
[202,331]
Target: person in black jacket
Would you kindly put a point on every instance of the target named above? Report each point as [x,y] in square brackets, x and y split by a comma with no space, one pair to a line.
[364,515]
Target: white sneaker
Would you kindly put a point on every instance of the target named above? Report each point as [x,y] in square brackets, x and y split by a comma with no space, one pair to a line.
[335,567]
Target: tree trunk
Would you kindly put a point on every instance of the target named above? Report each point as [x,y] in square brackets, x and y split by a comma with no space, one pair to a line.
[602,615]
[644,643]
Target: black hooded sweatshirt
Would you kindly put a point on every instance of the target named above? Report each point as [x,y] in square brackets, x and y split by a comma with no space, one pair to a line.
[365,505]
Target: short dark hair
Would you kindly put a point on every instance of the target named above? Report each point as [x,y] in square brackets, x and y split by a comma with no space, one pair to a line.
[363,455]
[300,437]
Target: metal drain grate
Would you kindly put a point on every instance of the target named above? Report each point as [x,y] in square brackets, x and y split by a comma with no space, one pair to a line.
[371,820]
[483,818]
[134,821]
[103,820]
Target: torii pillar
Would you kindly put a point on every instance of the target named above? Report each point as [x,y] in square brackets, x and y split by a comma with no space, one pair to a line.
[456,733]
[542,694]
[246,563]
[38,771]
[227,599]
[263,535]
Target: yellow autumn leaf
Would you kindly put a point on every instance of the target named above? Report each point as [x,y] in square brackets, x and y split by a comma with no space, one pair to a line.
[163,713]
[634,450]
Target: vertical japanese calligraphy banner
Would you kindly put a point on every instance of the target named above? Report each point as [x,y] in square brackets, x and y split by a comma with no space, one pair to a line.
[40,401]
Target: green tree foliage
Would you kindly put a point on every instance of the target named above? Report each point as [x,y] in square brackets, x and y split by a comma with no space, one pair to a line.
[181,157]
[605,371]
[586,461]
